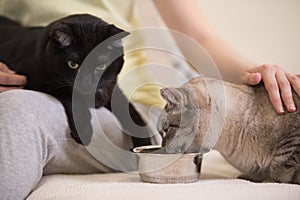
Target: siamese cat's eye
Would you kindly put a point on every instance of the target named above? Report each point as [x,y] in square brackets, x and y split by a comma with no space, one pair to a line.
[101,67]
[72,64]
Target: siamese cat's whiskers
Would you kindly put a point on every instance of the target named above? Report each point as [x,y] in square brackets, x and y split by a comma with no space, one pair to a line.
[263,145]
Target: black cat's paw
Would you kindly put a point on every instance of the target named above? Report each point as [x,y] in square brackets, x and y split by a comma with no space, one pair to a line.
[85,136]
[76,137]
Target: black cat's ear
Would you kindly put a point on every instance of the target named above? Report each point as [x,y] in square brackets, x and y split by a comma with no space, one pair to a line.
[63,39]
[118,34]
[117,31]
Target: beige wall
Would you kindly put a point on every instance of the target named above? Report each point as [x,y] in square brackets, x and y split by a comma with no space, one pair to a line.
[267,31]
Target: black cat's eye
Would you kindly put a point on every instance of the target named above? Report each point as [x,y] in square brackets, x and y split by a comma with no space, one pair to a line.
[101,67]
[72,64]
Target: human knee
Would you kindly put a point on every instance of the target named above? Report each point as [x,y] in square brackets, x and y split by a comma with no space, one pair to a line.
[26,103]
[29,112]
[17,100]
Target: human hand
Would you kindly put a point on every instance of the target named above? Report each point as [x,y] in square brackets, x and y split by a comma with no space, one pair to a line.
[9,80]
[278,84]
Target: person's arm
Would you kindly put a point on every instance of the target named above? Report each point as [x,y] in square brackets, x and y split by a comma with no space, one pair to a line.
[9,80]
[186,17]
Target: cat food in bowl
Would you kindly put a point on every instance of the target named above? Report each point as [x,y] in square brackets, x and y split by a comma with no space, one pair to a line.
[156,166]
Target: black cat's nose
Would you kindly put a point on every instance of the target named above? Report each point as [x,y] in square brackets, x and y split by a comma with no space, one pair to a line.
[85,85]
[87,82]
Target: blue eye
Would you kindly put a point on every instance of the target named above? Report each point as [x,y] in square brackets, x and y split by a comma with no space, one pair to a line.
[72,64]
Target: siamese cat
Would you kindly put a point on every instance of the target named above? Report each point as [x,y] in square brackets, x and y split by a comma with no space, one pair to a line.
[262,144]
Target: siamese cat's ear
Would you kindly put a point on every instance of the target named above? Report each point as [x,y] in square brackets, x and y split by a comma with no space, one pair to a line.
[172,96]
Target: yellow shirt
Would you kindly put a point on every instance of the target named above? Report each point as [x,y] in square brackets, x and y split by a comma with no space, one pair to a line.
[134,83]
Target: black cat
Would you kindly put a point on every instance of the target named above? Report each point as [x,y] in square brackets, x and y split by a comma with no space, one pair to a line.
[51,57]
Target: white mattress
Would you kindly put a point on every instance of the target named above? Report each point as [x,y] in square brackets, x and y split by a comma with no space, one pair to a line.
[217,181]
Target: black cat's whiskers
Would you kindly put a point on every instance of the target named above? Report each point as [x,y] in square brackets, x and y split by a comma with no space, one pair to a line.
[57,84]
[109,85]
[60,83]
[70,39]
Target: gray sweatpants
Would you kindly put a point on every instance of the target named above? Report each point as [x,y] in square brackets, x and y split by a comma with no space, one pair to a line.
[35,140]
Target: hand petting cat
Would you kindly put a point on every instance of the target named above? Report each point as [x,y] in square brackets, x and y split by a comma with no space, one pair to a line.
[9,80]
[278,84]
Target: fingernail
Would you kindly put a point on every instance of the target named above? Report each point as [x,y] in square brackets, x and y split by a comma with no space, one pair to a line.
[292,108]
[11,71]
[281,110]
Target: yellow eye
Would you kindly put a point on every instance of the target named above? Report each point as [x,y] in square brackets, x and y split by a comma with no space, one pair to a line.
[72,64]
[101,67]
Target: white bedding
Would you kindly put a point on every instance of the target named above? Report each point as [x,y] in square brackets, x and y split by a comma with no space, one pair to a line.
[216,182]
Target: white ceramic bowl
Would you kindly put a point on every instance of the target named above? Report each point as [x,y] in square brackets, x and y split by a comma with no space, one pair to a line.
[155,166]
